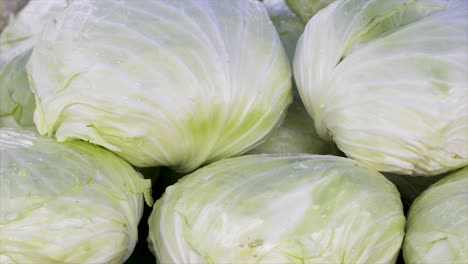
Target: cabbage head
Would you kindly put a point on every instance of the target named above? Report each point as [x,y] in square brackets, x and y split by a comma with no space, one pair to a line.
[387,80]
[437,227]
[66,203]
[279,209]
[174,83]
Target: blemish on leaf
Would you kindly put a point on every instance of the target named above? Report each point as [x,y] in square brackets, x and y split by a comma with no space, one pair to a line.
[256,243]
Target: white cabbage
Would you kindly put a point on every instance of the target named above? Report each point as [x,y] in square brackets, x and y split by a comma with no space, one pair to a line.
[387,80]
[66,203]
[279,209]
[437,227]
[173,83]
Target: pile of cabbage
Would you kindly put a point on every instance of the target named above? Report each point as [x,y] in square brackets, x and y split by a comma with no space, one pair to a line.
[274,131]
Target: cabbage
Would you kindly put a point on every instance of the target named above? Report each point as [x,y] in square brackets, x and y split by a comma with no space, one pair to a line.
[16,42]
[295,135]
[437,228]
[277,8]
[16,99]
[305,9]
[173,83]
[8,8]
[23,29]
[278,209]
[287,24]
[387,81]
[297,132]
[66,203]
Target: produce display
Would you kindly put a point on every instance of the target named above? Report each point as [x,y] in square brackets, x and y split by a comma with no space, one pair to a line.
[233,131]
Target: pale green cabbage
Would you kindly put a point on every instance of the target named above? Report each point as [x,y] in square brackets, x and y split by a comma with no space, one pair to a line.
[387,80]
[16,42]
[437,227]
[305,9]
[173,83]
[277,8]
[8,8]
[295,135]
[66,203]
[297,132]
[287,24]
[16,99]
[279,209]
[22,29]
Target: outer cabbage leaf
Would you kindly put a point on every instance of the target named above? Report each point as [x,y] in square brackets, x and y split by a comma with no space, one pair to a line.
[279,209]
[173,83]
[437,228]
[7,8]
[297,132]
[22,30]
[16,42]
[287,24]
[277,8]
[16,99]
[387,81]
[66,203]
[296,135]
[306,9]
